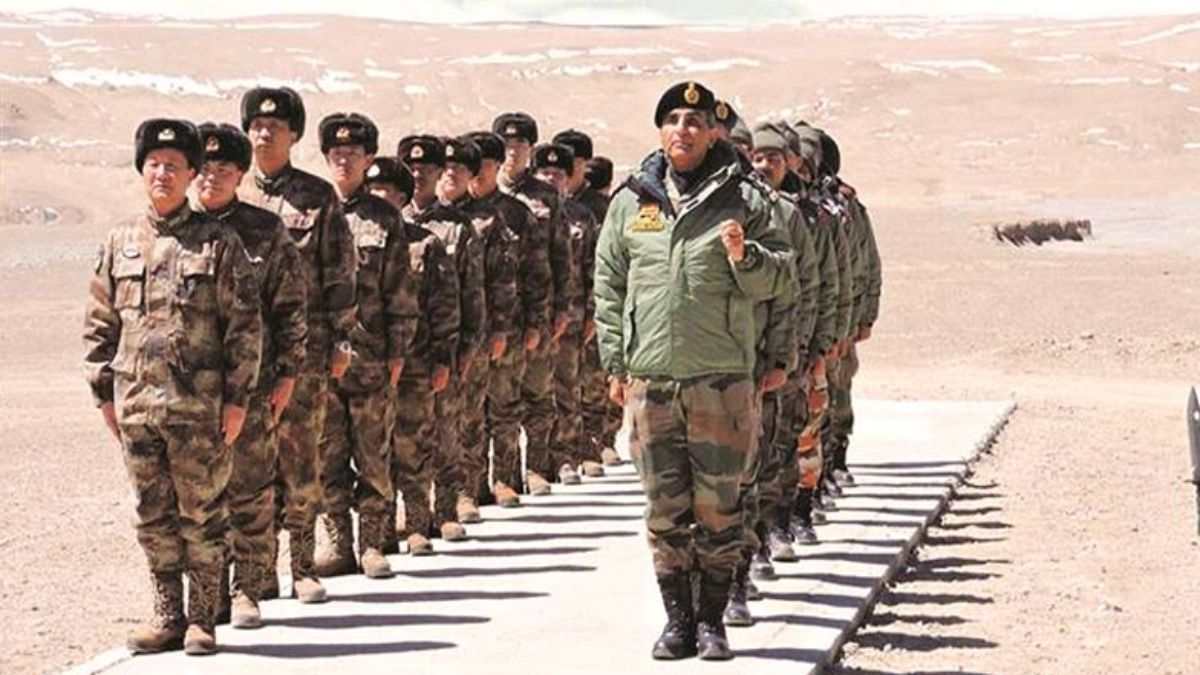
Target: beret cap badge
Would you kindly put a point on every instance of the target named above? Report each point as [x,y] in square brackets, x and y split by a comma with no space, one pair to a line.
[722,111]
[691,95]
[267,106]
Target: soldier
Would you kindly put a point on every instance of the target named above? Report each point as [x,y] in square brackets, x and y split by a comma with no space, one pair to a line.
[358,420]
[426,158]
[599,174]
[601,419]
[499,250]
[391,181]
[173,340]
[553,163]
[278,271]
[520,133]
[682,359]
[536,293]
[310,210]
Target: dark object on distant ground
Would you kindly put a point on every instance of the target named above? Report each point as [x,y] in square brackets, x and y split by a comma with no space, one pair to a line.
[1040,231]
[1193,422]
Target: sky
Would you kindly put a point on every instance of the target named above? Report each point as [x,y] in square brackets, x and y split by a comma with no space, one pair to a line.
[616,12]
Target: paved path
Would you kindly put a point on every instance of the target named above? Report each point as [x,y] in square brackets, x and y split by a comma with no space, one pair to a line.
[564,585]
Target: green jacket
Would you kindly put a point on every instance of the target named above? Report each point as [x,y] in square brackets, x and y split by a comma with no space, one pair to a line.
[669,303]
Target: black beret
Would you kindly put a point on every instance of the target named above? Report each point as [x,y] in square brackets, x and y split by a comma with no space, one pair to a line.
[554,155]
[516,124]
[282,103]
[462,150]
[491,146]
[578,141]
[225,143]
[390,170]
[684,95]
[726,115]
[599,172]
[166,133]
[348,129]
[423,148]
[831,156]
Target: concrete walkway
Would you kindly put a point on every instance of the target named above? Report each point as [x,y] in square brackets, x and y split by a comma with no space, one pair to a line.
[564,584]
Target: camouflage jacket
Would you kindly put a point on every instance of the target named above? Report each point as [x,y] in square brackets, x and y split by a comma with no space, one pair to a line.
[870,283]
[500,255]
[788,347]
[311,213]
[830,292]
[387,303]
[830,212]
[281,287]
[581,230]
[595,200]
[453,227]
[535,282]
[543,202]
[435,281]
[172,329]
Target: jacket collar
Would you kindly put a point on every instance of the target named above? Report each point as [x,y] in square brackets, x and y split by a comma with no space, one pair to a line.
[649,183]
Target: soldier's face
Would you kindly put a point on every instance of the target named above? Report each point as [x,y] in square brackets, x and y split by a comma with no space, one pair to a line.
[388,192]
[217,183]
[455,181]
[516,153]
[804,173]
[793,160]
[554,176]
[686,137]
[485,181]
[771,165]
[271,138]
[425,179]
[348,163]
[166,175]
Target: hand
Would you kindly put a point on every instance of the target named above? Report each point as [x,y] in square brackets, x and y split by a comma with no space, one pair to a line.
[109,412]
[232,419]
[818,370]
[440,379]
[281,395]
[818,401]
[864,333]
[465,362]
[774,379]
[734,239]
[616,391]
[499,346]
[339,363]
[395,370]
[589,330]
[533,338]
[560,327]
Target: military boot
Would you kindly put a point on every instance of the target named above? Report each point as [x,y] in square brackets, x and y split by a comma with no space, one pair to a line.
[452,531]
[506,497]
[164,631]
[760,565]
[467,510]
[335,556]
[391,540]
[536,484]
[752,592]
[371,535]
[737,612]
[841,472]
[203,590]
[419,544]
[610,457]
[567,475]
[678,638]
[248,580]
[711,642]
[306,587]
[592,469]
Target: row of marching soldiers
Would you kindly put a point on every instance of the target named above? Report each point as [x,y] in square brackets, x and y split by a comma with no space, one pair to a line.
[278,352]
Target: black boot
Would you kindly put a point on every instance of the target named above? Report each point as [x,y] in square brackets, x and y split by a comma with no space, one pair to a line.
[678,639]
[801,525]
[841,472]
[737,612]
[710,629]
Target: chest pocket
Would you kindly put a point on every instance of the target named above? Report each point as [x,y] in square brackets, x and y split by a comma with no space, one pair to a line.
[197,278]
[370,240]
[129,276]
[302,226]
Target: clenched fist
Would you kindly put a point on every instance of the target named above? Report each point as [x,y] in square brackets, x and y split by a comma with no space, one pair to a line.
[734,239]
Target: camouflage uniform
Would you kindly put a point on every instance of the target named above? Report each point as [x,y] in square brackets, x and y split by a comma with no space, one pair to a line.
[172,333]
[567,446]
[420,460]
[535,290]
[601,417]
[500,253]
[358,412]
[278,270]
[850,274]
[537,387]
[313,217]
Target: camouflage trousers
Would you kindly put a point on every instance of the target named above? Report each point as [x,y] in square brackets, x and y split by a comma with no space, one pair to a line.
[566,440]
[251,498]
[504,415]
[356,453]
[537,396]
[473,436]
[179,475]
[692,441]
[840,419]
[422,459]
[299,472]
[601,417]
[765,487]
